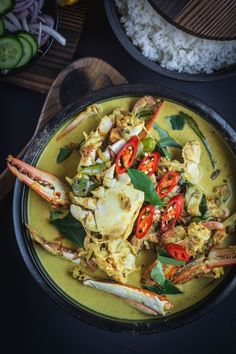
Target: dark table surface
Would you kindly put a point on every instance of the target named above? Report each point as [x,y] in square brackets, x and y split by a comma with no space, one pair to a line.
[30,321]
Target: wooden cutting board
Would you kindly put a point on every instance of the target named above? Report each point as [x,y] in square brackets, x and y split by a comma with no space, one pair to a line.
[80,77]
[211,19]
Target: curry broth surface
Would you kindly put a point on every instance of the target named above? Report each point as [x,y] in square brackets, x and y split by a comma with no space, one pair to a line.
[38,211]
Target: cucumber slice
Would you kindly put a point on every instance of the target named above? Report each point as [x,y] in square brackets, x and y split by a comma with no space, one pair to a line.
[27,52]
[11,52]
[2,26]
[30,38]
[6,6]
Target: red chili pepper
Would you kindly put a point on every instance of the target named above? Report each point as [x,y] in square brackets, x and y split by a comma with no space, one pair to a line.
[151,122]
[168,181]
[172,213]
[149,163]
[144,221]
[177,252]
[126,155]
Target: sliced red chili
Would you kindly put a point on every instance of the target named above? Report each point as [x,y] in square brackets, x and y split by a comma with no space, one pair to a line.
[144,221]
[149,163]
[168,181]
[177,252]
[171,214]
[126,155]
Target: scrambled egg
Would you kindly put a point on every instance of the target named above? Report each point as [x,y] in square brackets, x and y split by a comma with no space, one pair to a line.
[117,210]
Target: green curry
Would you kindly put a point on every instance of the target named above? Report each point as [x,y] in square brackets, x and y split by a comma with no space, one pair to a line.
[38,211]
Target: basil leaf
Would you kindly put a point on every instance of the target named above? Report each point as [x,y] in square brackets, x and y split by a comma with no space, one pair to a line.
[177,121]
[55,214]
[169,260]
[165,152]
[157,274]
[203,208]
[168,141]
[64,153]
[168,288]
[70,228]
[165,140]
[144,113]
[162,133]
[193,125]
[143,183]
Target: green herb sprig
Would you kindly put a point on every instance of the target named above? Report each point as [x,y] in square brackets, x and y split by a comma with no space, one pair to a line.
[164,286]
[143,183]
[69,227]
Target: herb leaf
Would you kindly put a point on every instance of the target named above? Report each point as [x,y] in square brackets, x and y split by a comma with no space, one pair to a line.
[157,274]
[177,121]
[143,183]
[144,113]
[165,140]
[169,260]
[162,133]
[69,227]
[64,153]
[167,288]
[193,125]
[203,208]
[168,141]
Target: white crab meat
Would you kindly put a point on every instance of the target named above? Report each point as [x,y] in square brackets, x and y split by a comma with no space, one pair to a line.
[94,141]
[117,210]
[86,217]
[105,125]
[193,199]
[98,192]
[112,149]
[88,202]
[149,299]
[191,154]
[124,178]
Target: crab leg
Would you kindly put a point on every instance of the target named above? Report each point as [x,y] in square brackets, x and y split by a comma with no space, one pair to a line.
[54,248]
[43,183]
[207,266]
[89,112]
[141,307]
[152,301]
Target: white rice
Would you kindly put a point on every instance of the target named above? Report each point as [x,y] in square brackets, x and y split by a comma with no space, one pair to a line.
[170,47]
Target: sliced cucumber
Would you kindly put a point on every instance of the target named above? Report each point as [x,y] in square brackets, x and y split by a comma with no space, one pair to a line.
[6,6]
[2,26]
[27,52]
[30,39]
[11,52]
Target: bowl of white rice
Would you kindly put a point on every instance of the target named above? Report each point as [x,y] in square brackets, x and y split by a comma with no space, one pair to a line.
[160,46]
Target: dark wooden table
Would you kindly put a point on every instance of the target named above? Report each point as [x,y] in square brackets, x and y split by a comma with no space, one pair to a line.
[30,321]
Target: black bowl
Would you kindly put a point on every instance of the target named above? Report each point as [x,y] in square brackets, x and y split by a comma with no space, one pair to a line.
[114,20]
[50,8]
[27,250]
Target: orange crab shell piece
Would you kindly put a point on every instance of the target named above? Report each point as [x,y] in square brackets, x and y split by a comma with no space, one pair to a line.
[43,183]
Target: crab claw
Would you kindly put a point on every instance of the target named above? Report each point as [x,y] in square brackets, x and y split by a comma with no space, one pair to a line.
[210,266]
[43,183]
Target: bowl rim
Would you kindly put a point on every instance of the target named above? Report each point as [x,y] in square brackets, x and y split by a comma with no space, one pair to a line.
[36,147]
[38,57]
[114,20]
